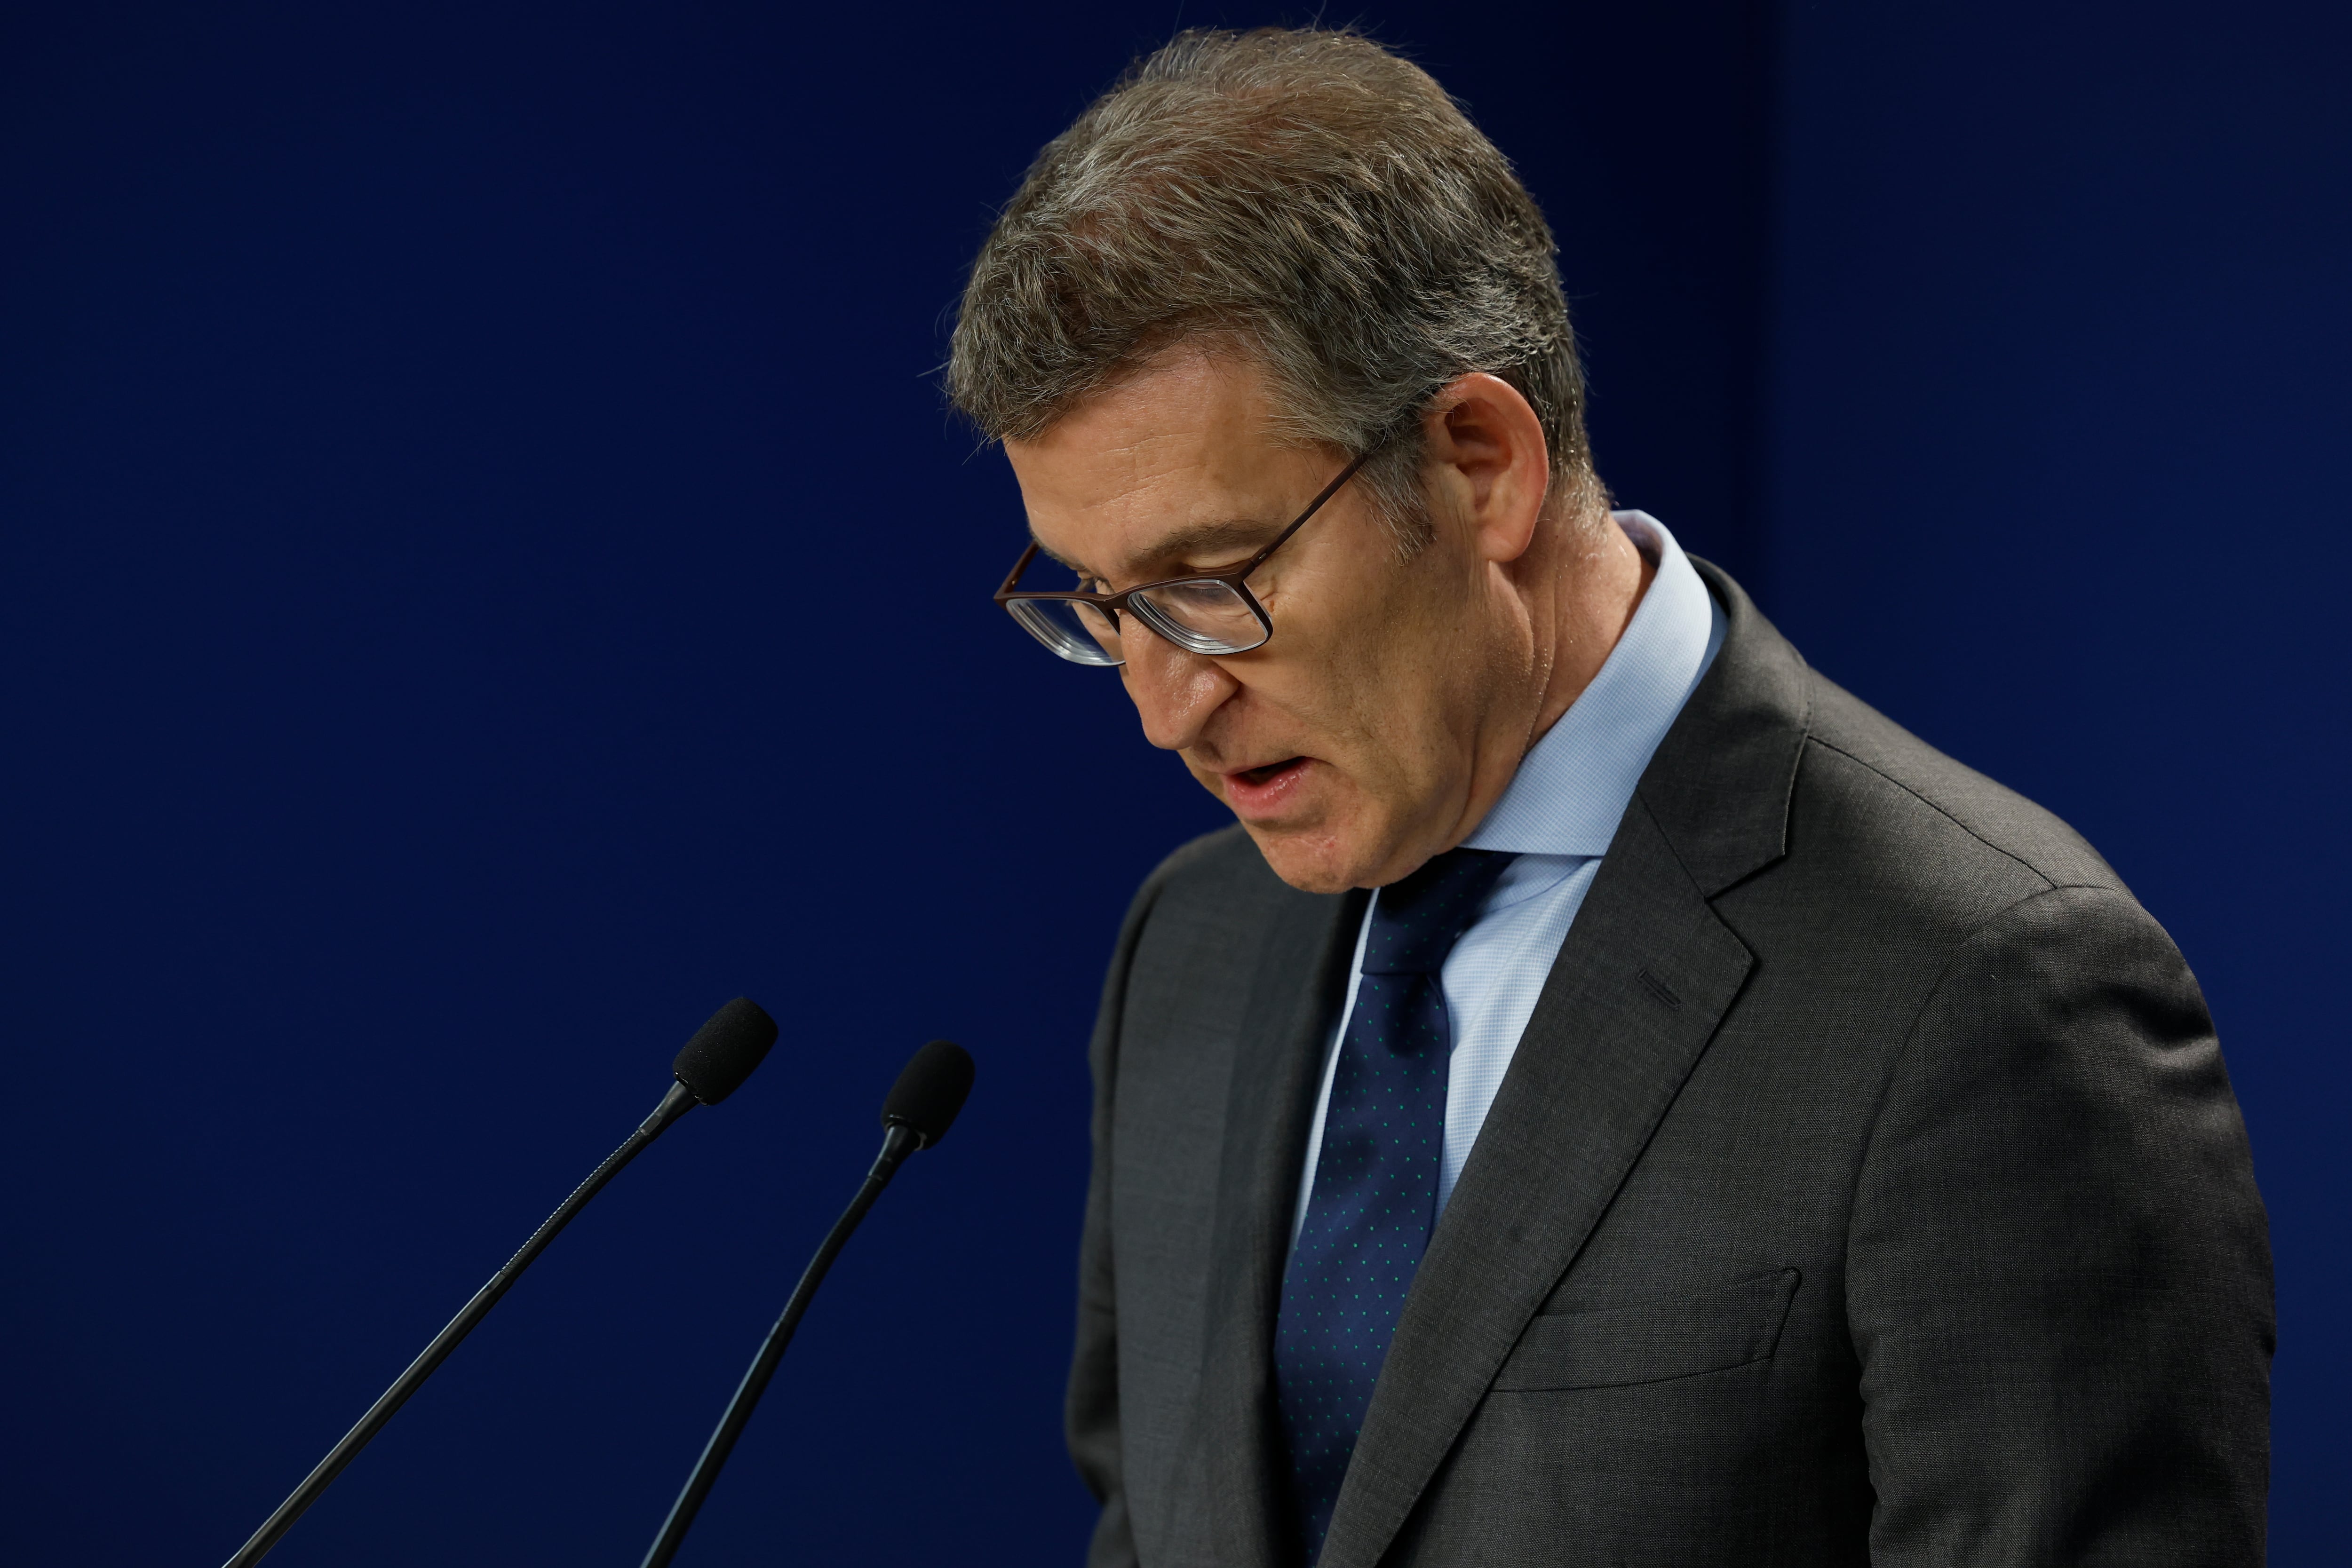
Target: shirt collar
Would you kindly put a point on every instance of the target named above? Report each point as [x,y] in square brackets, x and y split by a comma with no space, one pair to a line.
[1574,784]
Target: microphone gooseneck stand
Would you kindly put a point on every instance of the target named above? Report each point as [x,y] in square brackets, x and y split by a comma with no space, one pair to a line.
[922,1105]
[675,1104]
[712,1065]
[896,1144]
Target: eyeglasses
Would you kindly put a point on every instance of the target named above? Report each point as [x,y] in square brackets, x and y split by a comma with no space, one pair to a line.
[1214,614]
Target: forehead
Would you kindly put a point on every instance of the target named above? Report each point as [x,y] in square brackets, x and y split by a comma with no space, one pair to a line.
[1182,448]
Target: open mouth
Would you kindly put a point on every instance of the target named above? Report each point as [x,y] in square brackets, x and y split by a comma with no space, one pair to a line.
[1257,777]
[1260,794]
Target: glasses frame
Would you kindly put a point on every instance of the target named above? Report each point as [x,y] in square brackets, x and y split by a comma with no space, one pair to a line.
[1111,604]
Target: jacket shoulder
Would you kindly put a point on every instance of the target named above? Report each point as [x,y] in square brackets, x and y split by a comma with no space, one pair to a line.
[1937,816]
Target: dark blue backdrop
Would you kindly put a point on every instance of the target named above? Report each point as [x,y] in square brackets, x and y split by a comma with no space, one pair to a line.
[486,576]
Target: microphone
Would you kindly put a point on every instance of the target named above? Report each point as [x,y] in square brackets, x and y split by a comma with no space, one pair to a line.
[922,1106]
[712,1066]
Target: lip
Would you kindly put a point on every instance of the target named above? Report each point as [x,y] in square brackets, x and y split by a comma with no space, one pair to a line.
[1258,793]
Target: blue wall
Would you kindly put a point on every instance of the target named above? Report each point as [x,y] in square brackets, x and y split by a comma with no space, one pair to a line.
[484,576]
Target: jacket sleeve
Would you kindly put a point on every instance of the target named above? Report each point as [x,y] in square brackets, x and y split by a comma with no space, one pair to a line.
[1091,1412]
[2059,1279]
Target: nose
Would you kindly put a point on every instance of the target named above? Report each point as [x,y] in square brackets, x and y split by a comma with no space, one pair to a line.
[1175,691]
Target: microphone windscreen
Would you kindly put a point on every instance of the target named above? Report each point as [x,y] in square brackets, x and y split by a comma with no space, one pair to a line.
[725,1050]
[930,1090]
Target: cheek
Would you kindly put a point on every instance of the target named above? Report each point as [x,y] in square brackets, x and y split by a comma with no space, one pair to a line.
[1382,667]
[1406,670]
[1414,697]
[1375,719]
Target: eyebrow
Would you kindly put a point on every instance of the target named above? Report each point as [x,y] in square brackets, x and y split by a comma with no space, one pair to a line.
[1232,534]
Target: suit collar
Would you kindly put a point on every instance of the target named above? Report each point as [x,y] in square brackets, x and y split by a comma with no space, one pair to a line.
[1720,782]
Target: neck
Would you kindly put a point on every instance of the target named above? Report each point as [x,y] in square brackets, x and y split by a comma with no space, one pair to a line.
[1577,587]
[1579,603]
[1575,590]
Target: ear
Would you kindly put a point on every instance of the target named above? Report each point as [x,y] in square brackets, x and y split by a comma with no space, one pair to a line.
[1487,463]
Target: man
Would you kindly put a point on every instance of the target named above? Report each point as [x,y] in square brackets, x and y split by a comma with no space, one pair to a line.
[1616,1099]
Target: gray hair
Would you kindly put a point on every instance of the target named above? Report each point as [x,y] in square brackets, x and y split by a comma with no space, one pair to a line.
[1304,199]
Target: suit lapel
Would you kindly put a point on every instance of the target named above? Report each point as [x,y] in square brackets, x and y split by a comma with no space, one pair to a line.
[1646,973]
[1277,1070]
[1644,977]
[1641,982]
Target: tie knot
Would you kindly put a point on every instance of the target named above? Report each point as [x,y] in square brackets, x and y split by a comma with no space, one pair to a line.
[1416,922]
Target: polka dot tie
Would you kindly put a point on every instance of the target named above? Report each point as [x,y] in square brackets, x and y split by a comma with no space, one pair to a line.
[1375,1198]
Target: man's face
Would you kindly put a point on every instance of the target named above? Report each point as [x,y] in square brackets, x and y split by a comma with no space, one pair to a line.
[1358,741]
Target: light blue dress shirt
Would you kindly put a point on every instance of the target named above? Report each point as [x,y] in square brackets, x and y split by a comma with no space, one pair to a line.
[1558,815]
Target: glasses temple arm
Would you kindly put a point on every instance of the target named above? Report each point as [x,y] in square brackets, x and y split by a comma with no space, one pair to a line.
[1313,506]
[1018,568]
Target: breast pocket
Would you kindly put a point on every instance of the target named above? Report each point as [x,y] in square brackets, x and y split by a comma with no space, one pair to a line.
[1650,1342]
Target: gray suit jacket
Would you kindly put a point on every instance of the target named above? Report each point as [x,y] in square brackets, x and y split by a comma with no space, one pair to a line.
[1866,1188]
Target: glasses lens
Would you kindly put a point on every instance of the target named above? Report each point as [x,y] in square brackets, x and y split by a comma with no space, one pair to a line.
[1204,616]
[1078,632]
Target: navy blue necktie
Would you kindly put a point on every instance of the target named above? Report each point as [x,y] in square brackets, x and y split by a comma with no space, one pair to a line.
[1375,1198]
